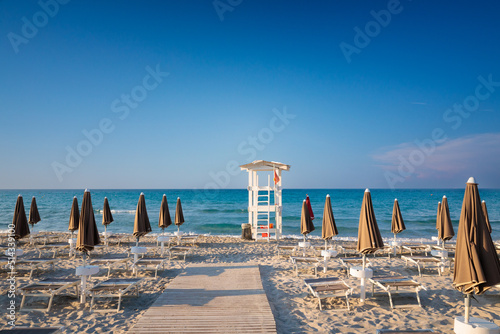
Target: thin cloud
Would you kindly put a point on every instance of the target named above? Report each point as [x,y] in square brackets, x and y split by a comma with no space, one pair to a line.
[474,154]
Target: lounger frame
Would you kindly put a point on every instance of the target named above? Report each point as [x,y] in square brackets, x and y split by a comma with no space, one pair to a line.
[391,284]
[47,289]
[113,288]
[322,288]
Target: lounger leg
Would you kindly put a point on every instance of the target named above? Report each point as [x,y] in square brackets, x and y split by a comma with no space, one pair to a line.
[319,302]
[22,302]
[91,303]
[390,298]
[419,271]
[50,303]
[418,297]
[347,300]
[119,303]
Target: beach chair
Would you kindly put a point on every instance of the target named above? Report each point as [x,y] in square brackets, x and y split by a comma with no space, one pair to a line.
[286,250]
[422,261]
[348,262]
[33,264]
[396,283]
[55,248]
[33,330]
[146,262]
[111,263]
[322,288]
[113,288]
[308,262]
[179,251]
[47,288]
[187,239]
[416,248]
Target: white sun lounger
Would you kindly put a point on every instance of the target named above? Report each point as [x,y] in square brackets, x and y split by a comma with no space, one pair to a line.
[416,248]
[179,251]
[33,264]
[322,288]
[111,263]
[308,262]
[396,283]
[421,261]
[54,248]
[113,288]
[146,262]
[286,250]
[187,239]
[348,262]
[47,288]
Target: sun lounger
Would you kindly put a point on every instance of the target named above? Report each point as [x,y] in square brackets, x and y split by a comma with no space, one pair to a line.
[113,288]
[33,264]
[179,251]
[147,262]
[33,330]
[47,288]
[396,283]
[309,262]
[187,239]
[404,331]
[54,248]
[110,263]
[322,288]
[286,250]
[348,262]
[416,248]
[421,261]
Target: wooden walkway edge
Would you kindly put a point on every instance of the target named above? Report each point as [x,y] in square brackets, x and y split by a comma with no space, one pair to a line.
[210,298]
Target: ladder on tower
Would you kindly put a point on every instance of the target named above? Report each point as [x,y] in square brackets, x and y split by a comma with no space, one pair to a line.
[264,229]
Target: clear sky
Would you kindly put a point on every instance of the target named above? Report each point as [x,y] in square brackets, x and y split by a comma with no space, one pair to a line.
[173,94]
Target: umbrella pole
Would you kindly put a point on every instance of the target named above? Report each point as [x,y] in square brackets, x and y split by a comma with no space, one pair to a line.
[467,308]
[137,241]
[326,244]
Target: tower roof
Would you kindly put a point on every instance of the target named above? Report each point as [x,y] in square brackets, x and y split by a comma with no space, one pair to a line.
[263,165]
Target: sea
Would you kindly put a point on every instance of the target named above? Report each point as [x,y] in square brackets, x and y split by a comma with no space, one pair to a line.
[221,212]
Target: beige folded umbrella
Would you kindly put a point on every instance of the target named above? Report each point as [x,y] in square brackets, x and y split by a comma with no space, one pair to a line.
[329,229]
[477,267]
[21,228]
[369,238]
[141,222]
[438,219]
[107,217]
[179,216]
[74,216]
[445,231]
[164,221]
[88,235]
[306,224]
[486,217]
[34,216]
[397,223]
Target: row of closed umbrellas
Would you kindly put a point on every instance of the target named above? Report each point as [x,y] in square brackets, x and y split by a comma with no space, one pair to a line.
[84,220]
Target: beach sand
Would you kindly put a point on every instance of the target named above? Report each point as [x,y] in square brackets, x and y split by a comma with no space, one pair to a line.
[294,309]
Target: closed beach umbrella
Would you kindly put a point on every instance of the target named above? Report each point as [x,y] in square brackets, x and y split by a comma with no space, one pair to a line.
[34,214]
[477,267]
[21,227]
[107,217]
[164,221]
[306,224]
[88,236]
[397,223]
[369,238]
[74,216]
[438,220]
[446,231]
[308,203]
[486,217]
[141,222]
[179,216]
[329,229]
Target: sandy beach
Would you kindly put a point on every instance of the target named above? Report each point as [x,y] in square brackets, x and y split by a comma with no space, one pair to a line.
[294,309]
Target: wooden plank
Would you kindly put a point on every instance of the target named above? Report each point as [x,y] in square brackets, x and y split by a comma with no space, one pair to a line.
[210,298]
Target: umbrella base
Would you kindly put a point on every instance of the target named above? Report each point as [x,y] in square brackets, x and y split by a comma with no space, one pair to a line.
[475,326]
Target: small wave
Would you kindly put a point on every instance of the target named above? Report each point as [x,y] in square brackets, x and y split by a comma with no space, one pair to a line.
[224,211]
[116,211]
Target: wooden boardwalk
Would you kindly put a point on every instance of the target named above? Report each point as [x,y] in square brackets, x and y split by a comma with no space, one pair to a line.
[211,299]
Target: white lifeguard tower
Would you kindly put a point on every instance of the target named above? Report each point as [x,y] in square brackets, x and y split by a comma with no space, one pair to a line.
[265,202]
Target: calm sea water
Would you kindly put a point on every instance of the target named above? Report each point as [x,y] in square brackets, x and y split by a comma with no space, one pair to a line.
[221,212]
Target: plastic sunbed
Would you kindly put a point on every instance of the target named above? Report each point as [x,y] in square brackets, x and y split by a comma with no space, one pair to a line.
[421,261]
[33,264]
[396,283]
[286,250]
[416,248]
[47,288]
[322,288]
[146,262]
[313,262]
[179,251]
[113,288]
[111,263]
[348,262]
[33,330]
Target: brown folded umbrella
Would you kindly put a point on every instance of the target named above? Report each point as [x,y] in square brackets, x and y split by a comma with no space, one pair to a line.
[306,224]
[34,214]
[446,231]
[477,267]
[397,223]
[486,217]
[21,227]
[179,216]
[164,221]
[141,222]
[438,218]
[369,238]
[107,217]
[329,229]
[88,236]
[74,216]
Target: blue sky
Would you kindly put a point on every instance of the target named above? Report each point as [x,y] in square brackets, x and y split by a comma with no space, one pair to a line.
[172,94]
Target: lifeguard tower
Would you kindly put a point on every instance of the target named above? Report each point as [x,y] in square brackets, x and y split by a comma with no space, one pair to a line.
[265,201]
